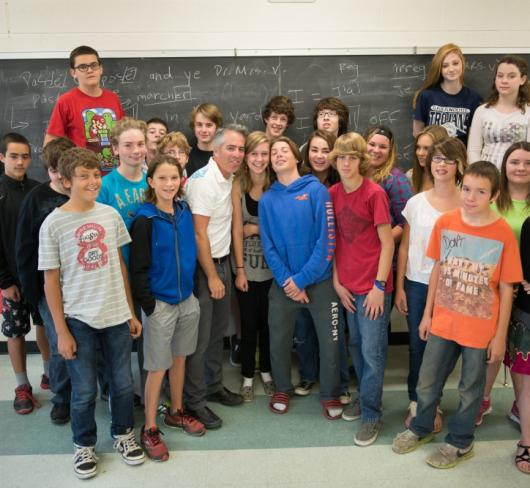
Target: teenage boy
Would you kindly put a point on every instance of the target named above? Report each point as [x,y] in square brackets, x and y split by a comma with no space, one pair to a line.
[331,115]
[156,130]
[205,119]
[15,153]
[36,207]
[79,251]
[467,312]
[208,193]
[277,115]
[87,113]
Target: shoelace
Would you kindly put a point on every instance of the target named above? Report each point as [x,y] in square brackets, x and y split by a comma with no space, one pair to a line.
[85,455]
[154,436]
[25,394]
[127,442]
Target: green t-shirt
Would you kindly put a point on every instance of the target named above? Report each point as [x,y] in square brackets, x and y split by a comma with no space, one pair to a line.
[515,216]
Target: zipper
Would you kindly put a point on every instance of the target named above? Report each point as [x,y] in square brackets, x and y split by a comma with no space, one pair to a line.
[177,257]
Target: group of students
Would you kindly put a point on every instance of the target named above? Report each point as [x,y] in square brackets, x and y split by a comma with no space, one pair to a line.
[316,238]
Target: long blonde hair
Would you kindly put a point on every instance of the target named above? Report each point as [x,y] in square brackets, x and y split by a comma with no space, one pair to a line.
[382,173]
[254,139]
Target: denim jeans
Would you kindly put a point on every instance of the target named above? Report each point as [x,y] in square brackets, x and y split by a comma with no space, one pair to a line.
[59,377]
[440,358]
[306,342]
[117,343]
[368,348]
[416,297]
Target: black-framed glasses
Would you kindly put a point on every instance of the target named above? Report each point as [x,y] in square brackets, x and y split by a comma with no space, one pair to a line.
[85,67]
[438,159]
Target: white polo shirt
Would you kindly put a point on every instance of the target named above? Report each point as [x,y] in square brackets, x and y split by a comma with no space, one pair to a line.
[208,193]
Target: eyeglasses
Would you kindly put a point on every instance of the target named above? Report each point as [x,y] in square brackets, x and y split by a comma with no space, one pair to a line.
[442,159]
[175,153]
[85,67]
[327,113]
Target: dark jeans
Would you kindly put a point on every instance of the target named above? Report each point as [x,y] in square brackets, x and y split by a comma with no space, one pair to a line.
[59,377]
[416,297]
[204,368]
[440,359]
[324,309]
[116,342]
[254,311]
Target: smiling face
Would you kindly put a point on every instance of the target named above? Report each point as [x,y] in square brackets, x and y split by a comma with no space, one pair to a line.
[276,124]
[518,168]
[422,148]
[204,129]
[131,148]
[452,68]
[442,168]
[508,79]
[165,182]
[318,155]
[155,132]
[258,158]
[16,160]
[476,194]
[378,148]
[283,159]
[176,152]
[229,155]
[85,184]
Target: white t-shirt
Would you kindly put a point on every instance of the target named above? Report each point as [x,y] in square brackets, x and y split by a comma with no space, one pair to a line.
[208,193]
[492,132]
[421,217]
[84,246]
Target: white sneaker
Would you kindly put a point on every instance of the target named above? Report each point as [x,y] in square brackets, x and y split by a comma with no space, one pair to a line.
[130,450]
[85,462]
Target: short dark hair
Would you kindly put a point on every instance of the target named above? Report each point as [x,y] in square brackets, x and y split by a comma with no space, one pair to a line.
[485,169]
[150,196]
[53,151]
[280,105]
[80,51]
[332,103]
[15,138]
[157,120]
[75,157]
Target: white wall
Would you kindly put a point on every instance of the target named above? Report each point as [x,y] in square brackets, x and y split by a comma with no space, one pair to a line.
[40,28]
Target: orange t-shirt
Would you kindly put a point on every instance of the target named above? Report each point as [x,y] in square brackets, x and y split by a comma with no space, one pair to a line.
[473,260]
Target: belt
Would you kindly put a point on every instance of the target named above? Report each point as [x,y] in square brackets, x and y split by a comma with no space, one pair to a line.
[220,260]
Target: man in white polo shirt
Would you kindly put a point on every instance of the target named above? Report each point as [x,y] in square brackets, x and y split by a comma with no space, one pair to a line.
[209,194]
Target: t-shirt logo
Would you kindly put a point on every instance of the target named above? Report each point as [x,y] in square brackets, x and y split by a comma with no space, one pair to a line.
[98,124]
[93,253]
[302,197]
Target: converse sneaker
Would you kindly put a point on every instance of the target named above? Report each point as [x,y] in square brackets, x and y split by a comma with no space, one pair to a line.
[485,409]
[367,434]
[85,462]
[352,412]
[153,444]
[449,456]
[304,388]
[129,449]
[408,441]
[180,420]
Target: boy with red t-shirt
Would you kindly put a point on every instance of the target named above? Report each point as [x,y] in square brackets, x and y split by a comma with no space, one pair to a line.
[467,312]
[86,114]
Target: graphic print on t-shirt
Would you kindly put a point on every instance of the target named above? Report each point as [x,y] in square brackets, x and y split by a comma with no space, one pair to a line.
[467,264]
[93,253]
[350,224]
[98,124]
[452,119]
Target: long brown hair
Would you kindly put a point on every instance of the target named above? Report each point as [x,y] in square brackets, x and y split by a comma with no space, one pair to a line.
[452,148]
[436,133]
[504,202]
[149,195]
[332,176]
[523,96]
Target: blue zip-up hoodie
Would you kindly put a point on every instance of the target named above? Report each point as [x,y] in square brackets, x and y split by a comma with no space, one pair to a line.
[297,229]
[163,255]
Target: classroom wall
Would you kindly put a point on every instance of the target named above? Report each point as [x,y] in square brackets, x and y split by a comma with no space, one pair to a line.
[34,28]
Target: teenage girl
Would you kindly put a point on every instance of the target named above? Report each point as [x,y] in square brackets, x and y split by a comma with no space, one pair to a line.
[505,117]
[420,178]
[445,163]
[163,255]
[443,99]
[513,205]
[253,276]
[176,145]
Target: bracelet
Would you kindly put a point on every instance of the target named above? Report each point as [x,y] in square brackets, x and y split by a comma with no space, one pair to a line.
[380,285]
[240,267]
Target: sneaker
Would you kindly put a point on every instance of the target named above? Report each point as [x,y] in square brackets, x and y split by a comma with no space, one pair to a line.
[345,398]
[408,441]
[180,420]
[449,456]
[235,351]
[352,412]
[60,413]
[514,414]
[24,401]
[153,444]
[247,392]
[225,397]
[85,462]
[304,388]
[129,449]
[411,413]
[45,382]
[164,407]
[367,434]
[269,387]
[485,409]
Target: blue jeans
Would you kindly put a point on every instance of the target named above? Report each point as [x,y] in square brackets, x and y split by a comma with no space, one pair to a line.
[59,377]
[368,348]
[440,358]
[117,343]
[416,297]
[306,342]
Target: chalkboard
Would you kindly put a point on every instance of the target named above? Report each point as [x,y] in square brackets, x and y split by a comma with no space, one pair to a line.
[376,88]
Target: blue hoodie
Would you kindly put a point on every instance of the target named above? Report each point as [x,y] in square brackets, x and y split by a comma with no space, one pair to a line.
[163,255]
[297,228]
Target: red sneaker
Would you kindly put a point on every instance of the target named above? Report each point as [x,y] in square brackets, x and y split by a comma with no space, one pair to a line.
[514,414]
[45,382]
[153,444]
[189,424]
[485,409]
[24,401]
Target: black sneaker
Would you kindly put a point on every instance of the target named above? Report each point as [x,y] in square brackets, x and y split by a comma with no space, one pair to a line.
[24,401]
[304,388]
[60,413]
[204,415]
[235,351]
[85,462]
[129,449]
[225,397]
